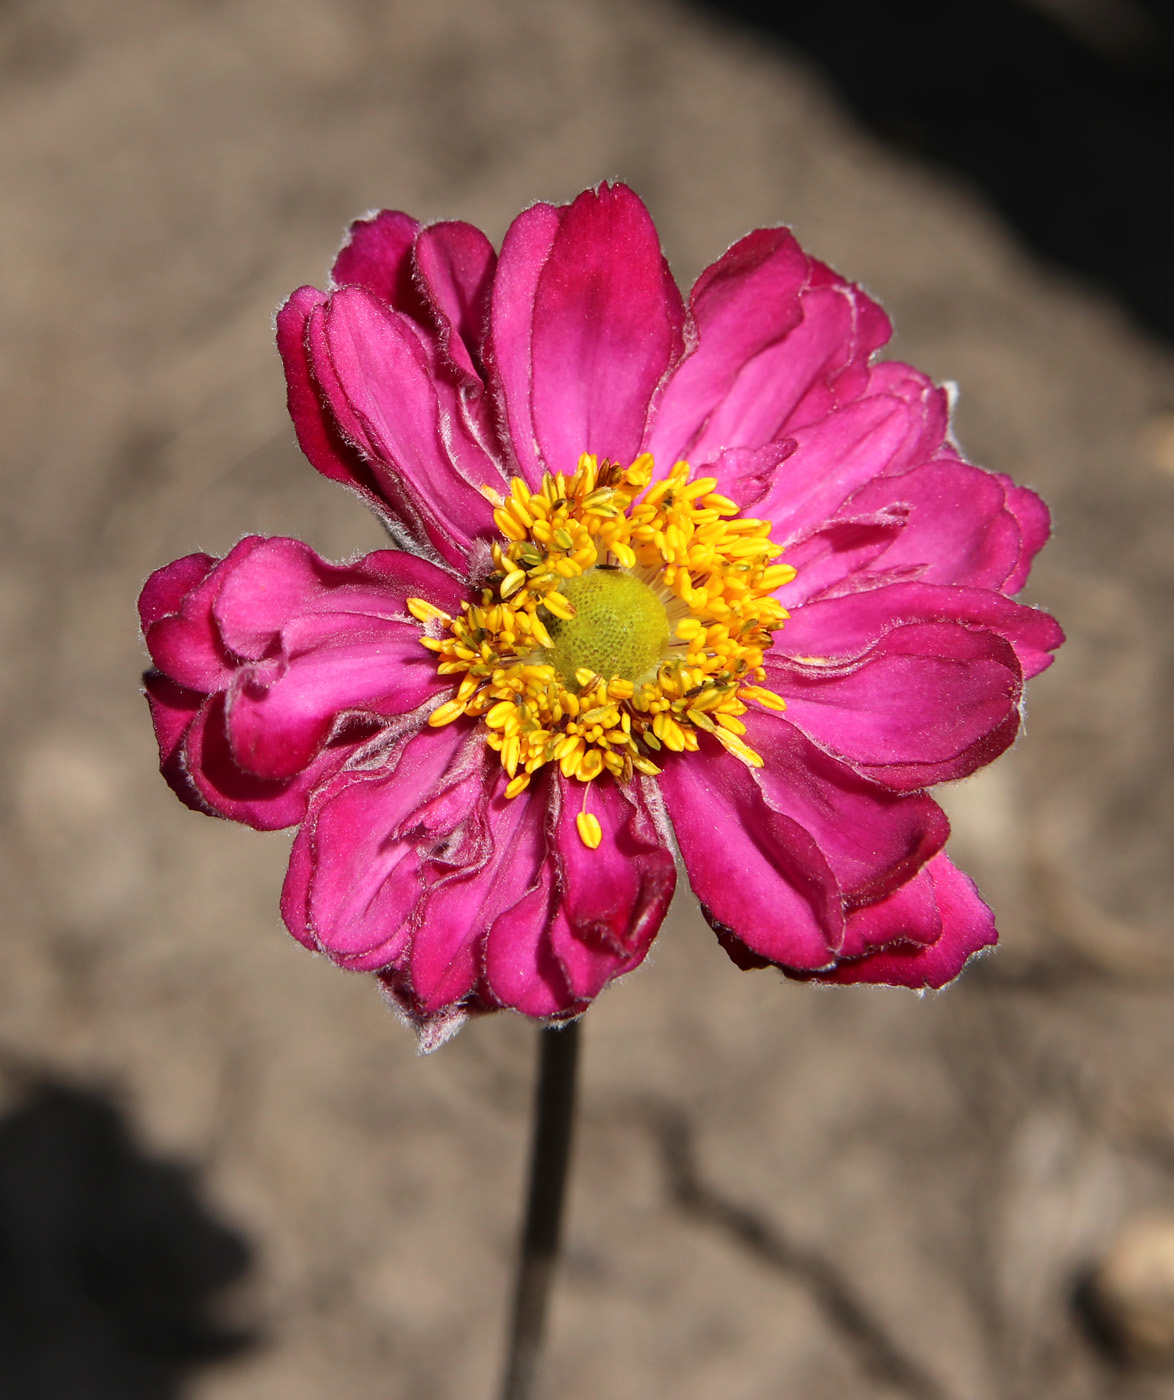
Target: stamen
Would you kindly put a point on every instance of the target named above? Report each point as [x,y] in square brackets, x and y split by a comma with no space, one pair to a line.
[663,589]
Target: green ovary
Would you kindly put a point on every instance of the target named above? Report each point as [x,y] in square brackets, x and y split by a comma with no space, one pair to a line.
[620,627]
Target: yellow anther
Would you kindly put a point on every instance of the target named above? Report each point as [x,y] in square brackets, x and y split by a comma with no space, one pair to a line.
[557,604]
[764,697]
[446,713]
[424,611]
[590,832]
[512,582]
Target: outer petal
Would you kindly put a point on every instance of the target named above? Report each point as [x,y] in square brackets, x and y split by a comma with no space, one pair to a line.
[774,853]
[1035,526]
[925,703]
[607,325]
[509,351]
[455,263]
[967,926]
[377,256]
[613,898]
[840,628]
[317,431]
[373,369]
[173,710]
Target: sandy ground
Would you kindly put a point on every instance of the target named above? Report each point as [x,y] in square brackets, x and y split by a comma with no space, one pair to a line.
[169,172]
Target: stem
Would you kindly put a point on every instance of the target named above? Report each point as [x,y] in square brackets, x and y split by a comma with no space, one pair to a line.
[550,1150]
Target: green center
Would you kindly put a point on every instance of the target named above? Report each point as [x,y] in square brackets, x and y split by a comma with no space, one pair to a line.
[620,627]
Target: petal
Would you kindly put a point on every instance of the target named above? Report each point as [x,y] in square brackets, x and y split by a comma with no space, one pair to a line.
[509,351]
[967,925]
[355,888]
[925,703]
[957,526]
[455,263]
[613,898]
[781,340]
[758,875]
[839,629]
[374,370]
[226,789]
[317,431]
[377,256]
[607,324]
[173,710]
[185,643]
[841,549]
[521,970]
[1035,526]
[876,436]
[910,916]
[749,299]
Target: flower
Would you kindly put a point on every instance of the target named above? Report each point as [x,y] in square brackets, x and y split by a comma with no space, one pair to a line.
[702,571]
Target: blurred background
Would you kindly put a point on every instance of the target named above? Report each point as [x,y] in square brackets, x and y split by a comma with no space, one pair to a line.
[224,1174]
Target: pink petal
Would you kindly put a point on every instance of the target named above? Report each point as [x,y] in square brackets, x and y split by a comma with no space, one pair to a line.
[173,710]
[521,969]
[377,256]
[373,368]
[455,263]
[185,644]
[614,898]
[226,789]
[748,300]
[746,474]
[967,924]
[1035,526]
[876,436]
[839,629]
[607,324]
[355,887]
[925,703]
[509,350]
[909,916]
[958,529]
[758,875]
[841,549]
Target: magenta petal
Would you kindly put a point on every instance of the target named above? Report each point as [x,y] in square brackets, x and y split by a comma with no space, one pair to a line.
[746,474]
[186,644]
[958,529]
[509,351]
[226,789]
[377,256]
[841,550]
[317,430]
[925,703]
[455,263]
[757,872]
[839,629]
[614,898]
[968,926]
[1035,526]
[747,300]
[607,324]
[173,711]
[165,590]
[521,969]
[373,367]
[356,887]
[909,916]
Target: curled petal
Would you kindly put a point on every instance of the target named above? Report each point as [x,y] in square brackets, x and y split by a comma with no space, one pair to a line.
[377,256]
[914,956]
[926,702]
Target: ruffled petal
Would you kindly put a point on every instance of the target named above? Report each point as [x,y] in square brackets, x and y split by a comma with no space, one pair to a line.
[615,897]
[607,324]
[780,341]
[373,369]
[926,702]
[509,350]
[1035,526]
[840,628]
[455,263]
[377,256]
[914,960]
[173,711]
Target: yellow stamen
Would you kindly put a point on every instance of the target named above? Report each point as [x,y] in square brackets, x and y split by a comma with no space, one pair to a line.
[590,832]
[623,619]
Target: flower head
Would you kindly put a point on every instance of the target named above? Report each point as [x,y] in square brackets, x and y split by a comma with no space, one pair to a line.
[710,568]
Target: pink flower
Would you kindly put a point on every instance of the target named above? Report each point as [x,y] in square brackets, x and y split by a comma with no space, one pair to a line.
[489,737]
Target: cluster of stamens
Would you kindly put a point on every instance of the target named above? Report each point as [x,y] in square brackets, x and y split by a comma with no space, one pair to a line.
[515,648]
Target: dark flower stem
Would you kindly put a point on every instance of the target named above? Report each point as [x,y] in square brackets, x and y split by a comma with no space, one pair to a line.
[550,1151]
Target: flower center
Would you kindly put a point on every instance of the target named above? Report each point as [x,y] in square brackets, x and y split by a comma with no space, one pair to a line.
[622,617]
[620,627]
